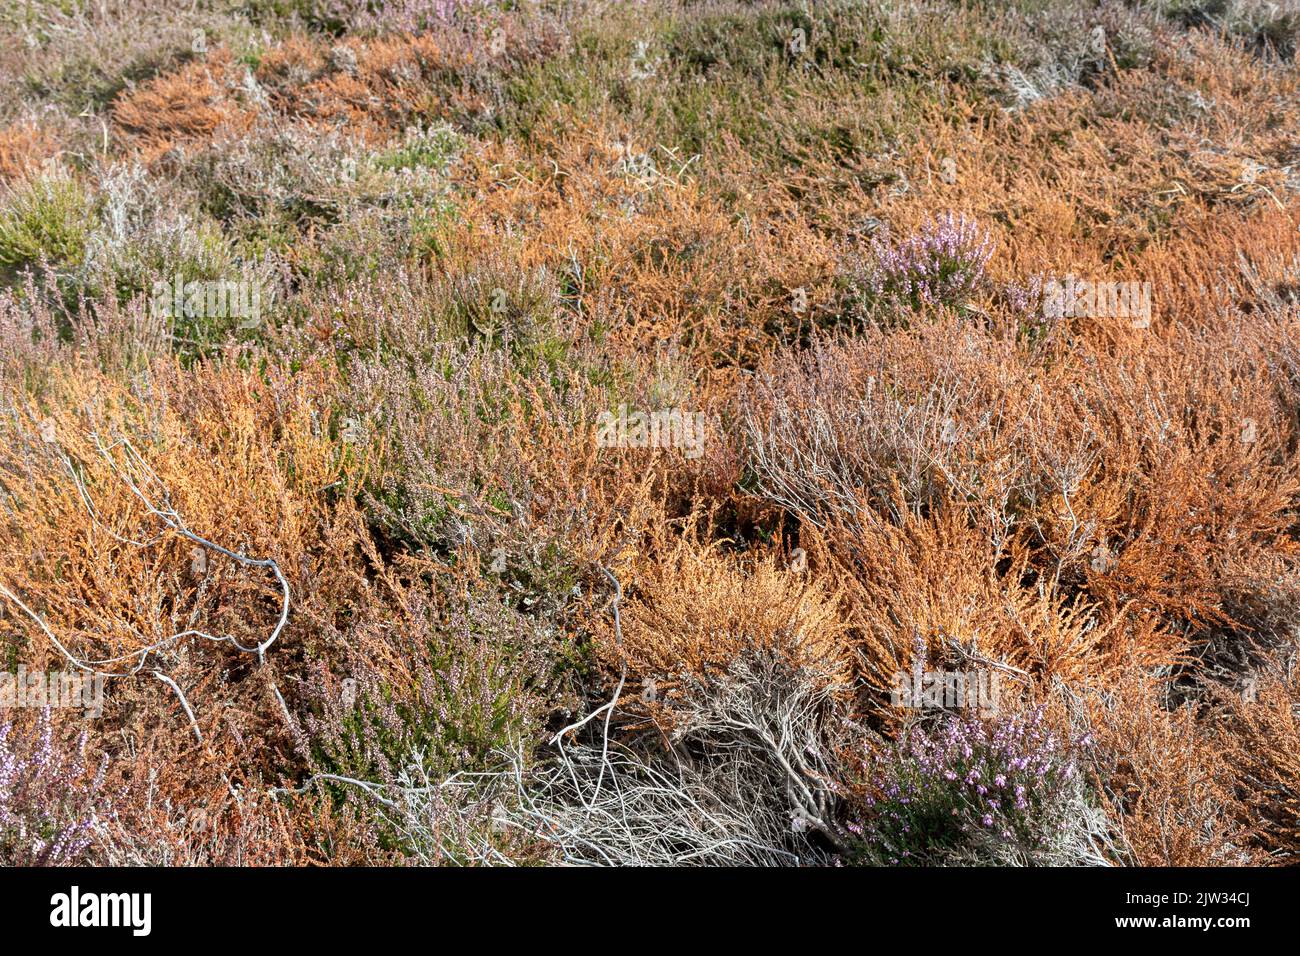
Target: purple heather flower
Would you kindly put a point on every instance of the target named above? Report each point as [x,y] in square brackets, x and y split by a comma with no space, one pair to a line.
[940,265]
[944,769]
[48,800]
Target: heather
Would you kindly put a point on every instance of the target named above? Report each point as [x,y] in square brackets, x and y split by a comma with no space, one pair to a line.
[49,797]
[544,432]
[977,793]
[941,265]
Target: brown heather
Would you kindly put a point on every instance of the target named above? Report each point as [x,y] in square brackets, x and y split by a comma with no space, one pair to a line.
[474,247]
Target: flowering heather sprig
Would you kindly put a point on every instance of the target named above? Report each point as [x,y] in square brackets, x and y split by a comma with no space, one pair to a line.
[970,789]
[940,265]
[1024,303]
[48,803]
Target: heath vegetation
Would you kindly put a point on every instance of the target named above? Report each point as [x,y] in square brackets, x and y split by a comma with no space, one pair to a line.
[941,336]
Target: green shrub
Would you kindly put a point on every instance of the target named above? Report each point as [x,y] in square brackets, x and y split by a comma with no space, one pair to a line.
[46,218]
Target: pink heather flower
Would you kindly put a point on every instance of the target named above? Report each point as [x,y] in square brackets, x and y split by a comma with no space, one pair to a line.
[943,768]
[48,800]
[940,265]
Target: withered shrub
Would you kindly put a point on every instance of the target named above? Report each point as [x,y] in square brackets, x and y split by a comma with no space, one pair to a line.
[500,636]
[693,609]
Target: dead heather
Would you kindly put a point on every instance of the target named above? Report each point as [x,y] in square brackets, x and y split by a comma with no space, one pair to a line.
[478,433]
